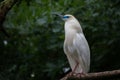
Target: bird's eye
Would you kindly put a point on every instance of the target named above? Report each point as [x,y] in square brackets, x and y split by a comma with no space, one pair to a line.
[65,17]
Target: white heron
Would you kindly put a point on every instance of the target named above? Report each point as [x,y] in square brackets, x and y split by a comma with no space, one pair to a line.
[76,46]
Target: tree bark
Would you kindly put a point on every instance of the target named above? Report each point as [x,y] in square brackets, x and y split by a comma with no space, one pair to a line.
[107,75]
[5,6]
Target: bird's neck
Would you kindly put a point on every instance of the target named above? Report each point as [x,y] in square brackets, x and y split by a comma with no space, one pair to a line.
[70,33]
[71,29]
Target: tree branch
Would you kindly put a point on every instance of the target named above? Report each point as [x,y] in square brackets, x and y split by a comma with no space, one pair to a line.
[95,76]
[5,6]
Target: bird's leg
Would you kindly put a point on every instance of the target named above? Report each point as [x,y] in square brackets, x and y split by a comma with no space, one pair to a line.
[73,71]
[77,74]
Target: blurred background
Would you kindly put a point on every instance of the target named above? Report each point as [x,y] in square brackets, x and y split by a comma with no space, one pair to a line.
[34,49]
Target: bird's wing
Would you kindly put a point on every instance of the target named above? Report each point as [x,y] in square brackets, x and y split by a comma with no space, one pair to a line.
[81,46]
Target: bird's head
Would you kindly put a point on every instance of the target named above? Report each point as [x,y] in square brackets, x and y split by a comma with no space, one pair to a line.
[71,21]
[66,17]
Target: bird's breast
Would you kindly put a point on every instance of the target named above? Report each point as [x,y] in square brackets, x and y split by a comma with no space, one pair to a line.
[68,43]
[69,36]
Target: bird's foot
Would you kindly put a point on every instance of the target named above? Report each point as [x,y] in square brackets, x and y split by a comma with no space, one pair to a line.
[79,74]
[73,74]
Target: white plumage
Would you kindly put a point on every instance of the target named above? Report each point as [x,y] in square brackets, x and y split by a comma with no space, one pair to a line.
[75,45]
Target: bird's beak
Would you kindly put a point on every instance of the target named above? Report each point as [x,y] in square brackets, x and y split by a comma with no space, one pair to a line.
[61,16]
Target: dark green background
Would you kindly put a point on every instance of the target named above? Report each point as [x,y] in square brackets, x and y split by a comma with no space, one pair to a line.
[34,50]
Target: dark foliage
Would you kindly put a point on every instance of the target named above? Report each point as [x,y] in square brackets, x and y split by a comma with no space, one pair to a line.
[35,49]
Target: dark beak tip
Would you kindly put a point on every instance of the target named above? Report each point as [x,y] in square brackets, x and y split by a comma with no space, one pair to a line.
[57,14]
